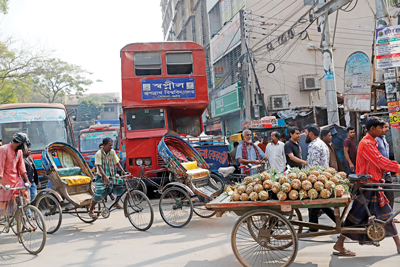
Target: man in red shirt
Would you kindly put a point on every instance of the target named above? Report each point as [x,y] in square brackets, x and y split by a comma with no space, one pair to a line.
[370,161]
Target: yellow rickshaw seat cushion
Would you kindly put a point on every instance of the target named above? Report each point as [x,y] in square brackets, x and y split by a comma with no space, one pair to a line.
[198,173]
[76,179]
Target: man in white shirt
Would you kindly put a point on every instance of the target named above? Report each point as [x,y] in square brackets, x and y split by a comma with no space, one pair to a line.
[275,152]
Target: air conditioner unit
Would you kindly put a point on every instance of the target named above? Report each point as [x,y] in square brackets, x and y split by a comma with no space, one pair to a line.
[278,102]
[309,82]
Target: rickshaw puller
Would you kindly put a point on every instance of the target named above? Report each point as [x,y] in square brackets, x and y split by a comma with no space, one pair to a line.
[370,161]
[106,161]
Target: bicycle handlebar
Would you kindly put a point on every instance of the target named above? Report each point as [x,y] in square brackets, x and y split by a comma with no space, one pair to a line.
[250,166]
[8,187]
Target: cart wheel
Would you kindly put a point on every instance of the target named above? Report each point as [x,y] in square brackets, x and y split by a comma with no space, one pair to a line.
[199,203]
[264,238]
[138,209]
[176,207]
[51,210]
[84,215]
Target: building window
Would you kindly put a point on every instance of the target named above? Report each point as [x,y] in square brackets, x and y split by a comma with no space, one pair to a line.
[179,63]
[109,109]
[215,20]
[147,63]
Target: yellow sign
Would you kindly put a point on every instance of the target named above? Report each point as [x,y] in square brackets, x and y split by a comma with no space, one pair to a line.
[394,119]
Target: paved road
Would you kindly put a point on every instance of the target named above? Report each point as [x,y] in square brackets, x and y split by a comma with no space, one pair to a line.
[204,242]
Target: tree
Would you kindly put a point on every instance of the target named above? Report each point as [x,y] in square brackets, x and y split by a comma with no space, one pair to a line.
[16,66]
[4,6]
[54,79]
[89,109]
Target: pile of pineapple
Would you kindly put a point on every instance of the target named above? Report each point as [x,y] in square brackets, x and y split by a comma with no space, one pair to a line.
[312,183]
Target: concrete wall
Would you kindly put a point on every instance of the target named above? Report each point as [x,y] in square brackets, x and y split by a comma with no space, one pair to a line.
[355,32]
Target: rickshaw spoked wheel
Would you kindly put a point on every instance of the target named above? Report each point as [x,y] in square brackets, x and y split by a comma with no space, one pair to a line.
[84,216]
[176,207]
[255,238]
[105,212]
[50,208]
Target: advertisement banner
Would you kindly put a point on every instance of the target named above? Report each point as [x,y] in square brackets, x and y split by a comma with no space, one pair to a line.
[32,114]
[227,38]
[388,47]
[357,82]
[215,156]
[265,122]
[174,88]
[97,135]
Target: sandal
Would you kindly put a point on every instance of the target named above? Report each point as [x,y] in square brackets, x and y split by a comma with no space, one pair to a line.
[396,221]
[92,215]
[345,253]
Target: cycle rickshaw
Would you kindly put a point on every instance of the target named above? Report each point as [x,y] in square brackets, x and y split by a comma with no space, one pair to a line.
[190,185]
[70,191]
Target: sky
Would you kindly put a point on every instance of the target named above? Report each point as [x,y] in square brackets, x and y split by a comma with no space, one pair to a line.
[88,33]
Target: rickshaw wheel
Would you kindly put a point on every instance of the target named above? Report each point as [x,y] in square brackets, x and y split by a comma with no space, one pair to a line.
[255,239]
[376,233]
[85,216]
[51,211]
[199,204]
[176,207]
[138,209]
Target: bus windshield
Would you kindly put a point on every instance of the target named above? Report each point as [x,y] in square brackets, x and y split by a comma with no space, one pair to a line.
[89,142]
[145,119]
[42,125]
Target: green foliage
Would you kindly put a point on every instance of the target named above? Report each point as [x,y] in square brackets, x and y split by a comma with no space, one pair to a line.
[89,109]
[54,79]
[4,6]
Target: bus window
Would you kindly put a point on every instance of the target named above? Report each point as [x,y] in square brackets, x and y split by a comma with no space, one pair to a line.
[188,126]
[144,119]
[147,63]
[179,63]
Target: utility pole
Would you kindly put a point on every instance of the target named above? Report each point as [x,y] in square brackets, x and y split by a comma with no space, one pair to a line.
[324,9]
[383,18]
[245,90]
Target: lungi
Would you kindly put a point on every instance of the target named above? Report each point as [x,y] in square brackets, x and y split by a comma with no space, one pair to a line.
[358,215]
[103,190]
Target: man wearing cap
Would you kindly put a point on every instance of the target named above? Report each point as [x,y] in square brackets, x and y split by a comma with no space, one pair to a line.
[12,168]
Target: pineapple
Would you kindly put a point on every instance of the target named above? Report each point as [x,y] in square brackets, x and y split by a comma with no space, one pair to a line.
[293,195]
[263,195]
[312,178]
[296,184]
[312,194]
[282,195]
[325,193]
[247,180]
[276,187]
[286,187]
[318,186]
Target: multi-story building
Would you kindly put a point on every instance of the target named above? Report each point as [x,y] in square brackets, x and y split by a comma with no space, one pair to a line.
[281,43]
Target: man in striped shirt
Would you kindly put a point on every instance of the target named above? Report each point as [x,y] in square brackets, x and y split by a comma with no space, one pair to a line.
[370,161]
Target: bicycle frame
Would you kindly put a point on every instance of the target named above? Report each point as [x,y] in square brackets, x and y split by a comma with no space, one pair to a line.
[20,208]
[365,187]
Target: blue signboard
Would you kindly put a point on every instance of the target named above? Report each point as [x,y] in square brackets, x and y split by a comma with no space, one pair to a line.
[175,88]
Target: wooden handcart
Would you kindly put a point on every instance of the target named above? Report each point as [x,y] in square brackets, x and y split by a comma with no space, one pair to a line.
[264,236]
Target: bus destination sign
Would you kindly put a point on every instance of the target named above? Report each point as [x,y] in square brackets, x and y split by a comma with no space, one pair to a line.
[174,88]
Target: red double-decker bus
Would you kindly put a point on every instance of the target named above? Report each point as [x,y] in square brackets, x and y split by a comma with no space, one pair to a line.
[164,89]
